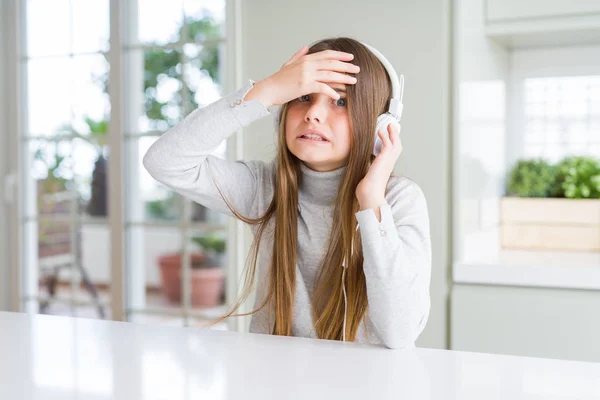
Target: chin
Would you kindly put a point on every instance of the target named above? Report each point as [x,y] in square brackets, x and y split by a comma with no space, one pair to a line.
[309,156]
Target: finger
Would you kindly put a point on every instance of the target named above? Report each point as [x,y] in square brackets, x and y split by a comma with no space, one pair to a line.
[385,137]
[297,56]
[327,90]
[394,130]
[395,138]
[388,134]
[329,76]
[383,144]
[334,54]
[336,65]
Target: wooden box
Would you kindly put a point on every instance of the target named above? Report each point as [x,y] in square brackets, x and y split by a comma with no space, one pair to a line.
[550,224]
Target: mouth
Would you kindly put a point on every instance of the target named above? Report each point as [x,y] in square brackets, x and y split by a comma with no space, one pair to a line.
[312,136]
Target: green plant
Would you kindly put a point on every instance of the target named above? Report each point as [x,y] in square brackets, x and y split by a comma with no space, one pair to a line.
[213,250]
[210,243]
[96,135]
[158,65]
[161,64]
[578,177]
[165,209]
[532,178]
[56,163]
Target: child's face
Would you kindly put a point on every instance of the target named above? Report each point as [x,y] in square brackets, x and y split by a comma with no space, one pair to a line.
[319,112]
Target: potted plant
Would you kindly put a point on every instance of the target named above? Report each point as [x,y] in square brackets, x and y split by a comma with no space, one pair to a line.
[206,273]
[552,207]
[165,209]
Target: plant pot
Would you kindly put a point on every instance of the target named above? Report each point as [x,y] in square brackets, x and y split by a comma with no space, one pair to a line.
[206,283]
[550,223]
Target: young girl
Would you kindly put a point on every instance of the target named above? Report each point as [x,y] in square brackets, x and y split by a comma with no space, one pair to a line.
[341,247]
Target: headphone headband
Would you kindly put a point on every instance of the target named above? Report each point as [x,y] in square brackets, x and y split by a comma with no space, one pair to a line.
[397,83]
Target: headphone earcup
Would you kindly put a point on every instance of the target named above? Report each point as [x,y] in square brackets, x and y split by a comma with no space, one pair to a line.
[382,122]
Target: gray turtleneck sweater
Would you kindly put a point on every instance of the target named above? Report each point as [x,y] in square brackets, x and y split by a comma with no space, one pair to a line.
[396,250]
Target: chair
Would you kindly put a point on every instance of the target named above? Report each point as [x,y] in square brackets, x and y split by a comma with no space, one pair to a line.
[57,250]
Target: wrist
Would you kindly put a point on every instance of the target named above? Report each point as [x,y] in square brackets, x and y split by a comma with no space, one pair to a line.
[259,92]
[366,203]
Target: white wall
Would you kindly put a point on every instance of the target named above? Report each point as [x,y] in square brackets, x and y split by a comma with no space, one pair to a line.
[414,37]
[481,72]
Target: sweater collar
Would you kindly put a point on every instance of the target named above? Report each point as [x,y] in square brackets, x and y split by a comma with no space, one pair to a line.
[319,187]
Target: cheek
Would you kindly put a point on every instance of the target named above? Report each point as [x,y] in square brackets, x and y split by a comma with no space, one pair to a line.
[342,127]
[293,118]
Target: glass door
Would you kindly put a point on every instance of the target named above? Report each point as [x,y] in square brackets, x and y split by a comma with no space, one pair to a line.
[63,151]
[172,62]
[100,81]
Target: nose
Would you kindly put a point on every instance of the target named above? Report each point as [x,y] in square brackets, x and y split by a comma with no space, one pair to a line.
[316,112]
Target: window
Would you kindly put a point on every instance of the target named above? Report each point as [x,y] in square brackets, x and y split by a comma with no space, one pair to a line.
[562,116]
[172,61]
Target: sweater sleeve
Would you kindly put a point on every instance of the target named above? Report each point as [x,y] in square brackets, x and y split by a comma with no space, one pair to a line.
[181,158]
[397,264]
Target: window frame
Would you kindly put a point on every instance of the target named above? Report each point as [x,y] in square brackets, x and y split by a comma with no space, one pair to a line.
[11,264]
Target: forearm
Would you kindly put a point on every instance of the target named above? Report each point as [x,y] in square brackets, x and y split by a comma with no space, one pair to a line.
[397,267]
[182,157]
[180,150]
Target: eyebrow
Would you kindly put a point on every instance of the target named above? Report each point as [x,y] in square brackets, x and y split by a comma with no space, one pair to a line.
[340,90]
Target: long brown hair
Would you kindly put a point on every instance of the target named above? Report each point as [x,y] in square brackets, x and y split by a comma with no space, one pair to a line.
[368,98]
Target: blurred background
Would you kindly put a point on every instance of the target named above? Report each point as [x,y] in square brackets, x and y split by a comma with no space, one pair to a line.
[501,129]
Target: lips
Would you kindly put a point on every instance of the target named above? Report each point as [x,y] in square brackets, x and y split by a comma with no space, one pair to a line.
[313,132]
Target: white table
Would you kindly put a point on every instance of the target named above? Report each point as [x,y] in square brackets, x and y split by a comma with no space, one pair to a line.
[48,357]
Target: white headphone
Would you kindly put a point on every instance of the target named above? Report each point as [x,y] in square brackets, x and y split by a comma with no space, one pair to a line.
[394,112]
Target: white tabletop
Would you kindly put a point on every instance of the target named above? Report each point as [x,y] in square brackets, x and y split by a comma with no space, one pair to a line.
[48,357]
